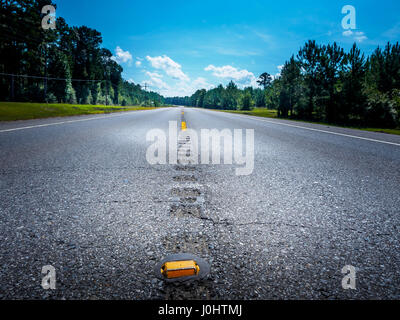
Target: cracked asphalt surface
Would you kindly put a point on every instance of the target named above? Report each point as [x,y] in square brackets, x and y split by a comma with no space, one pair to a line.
[80,196]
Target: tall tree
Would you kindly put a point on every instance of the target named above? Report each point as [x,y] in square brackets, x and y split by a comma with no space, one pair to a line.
[246,101]
[309,57]
[331,58]
[353,81]
[264,80]
[291,82]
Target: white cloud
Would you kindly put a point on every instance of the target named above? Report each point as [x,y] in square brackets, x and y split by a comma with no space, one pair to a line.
[265,37]
[360,36]
[242,77]
[201,83]
[277,75]
[154,74]
[181,88]
[184,88]
[138,63]
[228,72]
[347,33]
[130,80]
[357,36]
[171,68]
[121,56]
[180,85]
[156,81]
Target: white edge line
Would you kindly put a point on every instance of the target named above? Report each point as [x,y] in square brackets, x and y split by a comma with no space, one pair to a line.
[71,121]
[312,129]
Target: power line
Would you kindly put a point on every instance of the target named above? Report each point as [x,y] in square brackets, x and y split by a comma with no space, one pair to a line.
[49,78]
[57,79]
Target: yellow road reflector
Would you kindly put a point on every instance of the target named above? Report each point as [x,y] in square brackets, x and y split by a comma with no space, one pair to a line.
[183,268]
[183,125]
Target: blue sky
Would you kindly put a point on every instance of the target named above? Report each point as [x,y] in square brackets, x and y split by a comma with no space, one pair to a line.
[179,46]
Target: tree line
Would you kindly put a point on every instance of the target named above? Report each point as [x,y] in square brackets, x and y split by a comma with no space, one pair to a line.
[321,83]
[50,56]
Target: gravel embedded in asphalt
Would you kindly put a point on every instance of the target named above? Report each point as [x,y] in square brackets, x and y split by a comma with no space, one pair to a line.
[81,196]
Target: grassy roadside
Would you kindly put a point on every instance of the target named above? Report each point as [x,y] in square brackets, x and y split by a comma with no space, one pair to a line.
[262,112]
[10,111]
[259,112]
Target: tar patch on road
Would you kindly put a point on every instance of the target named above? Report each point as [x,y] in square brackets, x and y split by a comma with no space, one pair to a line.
[185,178]
[186,209]
[196,243]
[188,201]
[186,192]
[184,168]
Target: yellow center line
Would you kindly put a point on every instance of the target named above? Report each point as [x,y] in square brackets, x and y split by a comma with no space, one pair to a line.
[183,125]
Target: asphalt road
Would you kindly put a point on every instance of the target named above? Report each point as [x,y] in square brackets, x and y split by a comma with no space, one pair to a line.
[78,194]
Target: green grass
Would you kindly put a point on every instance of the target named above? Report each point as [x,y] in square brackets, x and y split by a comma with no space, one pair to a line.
[266,113]
[259,112]
[10,111]
[390,131]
